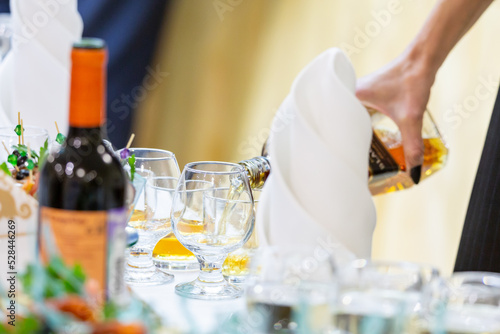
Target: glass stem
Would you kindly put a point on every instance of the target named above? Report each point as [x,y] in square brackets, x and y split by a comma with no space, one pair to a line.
[141,257]
[211,268]
[141,254]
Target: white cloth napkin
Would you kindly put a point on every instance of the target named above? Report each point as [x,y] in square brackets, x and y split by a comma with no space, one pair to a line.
[36,72]
[317,193]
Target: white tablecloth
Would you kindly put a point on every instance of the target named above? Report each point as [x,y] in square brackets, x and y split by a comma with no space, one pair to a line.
[188,315]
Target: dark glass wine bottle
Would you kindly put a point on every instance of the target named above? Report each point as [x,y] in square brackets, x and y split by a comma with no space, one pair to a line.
[82,214]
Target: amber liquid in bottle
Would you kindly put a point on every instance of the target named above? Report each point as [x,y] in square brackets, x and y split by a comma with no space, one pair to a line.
[387,166]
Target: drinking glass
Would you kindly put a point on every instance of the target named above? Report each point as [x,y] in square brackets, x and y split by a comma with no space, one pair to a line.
[149,164]
[467,302]
[291,290]
[380,297]
[236,267]
[158,162]
[212,215]
[158,201]
[168,252]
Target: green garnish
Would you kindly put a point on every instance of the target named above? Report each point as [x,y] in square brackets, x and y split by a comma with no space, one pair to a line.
[44,151]
[5,169]
[110,311]
[17,130]
[131,163]
[12,159]
[30,164]
[60,138]
[23,150]
[55,280]
[42,287]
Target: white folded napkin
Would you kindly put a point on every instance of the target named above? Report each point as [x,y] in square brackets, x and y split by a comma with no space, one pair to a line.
[317,193]
[37,68]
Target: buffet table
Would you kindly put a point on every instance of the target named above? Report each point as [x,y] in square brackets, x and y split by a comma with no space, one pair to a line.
[188,315]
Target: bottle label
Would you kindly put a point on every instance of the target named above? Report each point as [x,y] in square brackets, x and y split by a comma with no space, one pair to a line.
[381,164]
[94,239]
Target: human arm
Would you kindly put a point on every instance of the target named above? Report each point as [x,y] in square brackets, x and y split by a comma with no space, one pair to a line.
[401,89]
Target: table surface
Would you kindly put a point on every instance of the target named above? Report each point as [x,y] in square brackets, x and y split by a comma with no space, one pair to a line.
[188,315]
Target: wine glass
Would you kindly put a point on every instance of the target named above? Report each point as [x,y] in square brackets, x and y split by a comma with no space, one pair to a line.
[291,289]
[159,162]
[380,297]
[170,253]
[467,302]
[158,200]
[212,215]
[149,164]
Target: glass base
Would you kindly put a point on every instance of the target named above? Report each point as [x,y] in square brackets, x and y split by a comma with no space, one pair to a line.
[208,291]
[176,265]
[149,276]
[238,280]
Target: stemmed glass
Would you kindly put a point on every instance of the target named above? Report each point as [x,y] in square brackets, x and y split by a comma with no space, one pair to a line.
[291,290]
[151,213]
[380,297]
[467,302]
[212,215]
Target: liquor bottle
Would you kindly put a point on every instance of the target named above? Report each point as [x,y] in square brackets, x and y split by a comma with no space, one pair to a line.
[258,168]
[387,167]
[82,215]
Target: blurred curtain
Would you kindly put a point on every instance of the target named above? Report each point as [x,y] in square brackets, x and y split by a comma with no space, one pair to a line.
[231,63]
[130,29]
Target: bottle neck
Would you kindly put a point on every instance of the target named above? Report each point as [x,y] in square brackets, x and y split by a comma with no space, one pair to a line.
[258,170]
[88,88]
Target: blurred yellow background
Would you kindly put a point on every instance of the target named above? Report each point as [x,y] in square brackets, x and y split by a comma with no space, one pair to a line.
[231,63]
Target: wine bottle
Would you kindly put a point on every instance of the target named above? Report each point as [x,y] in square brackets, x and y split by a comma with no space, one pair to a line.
[82,215]
[386,167]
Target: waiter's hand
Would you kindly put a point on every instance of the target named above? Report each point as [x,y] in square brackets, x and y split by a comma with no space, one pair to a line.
[401,91]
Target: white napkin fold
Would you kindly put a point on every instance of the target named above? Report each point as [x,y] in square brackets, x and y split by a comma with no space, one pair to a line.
[317,193]
[37,70]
